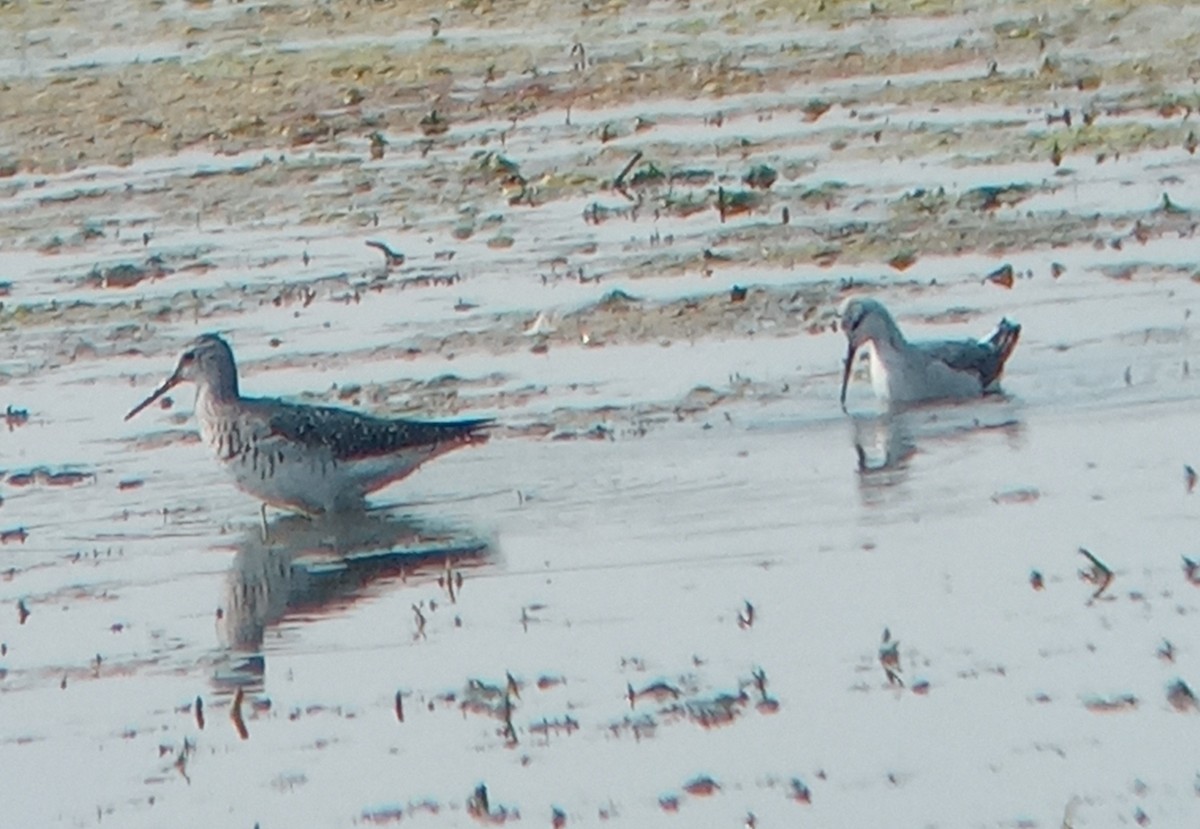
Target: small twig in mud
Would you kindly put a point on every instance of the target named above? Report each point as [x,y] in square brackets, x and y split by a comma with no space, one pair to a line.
[540,327]
[1036,581]
[657,691]
[433,124]
[1166,651]
[1189,474]
[399,706]
[1100,575]
[800,792]
[446,582]
[1181,697]
[481,810]
[199,713]
[1191,571]
[14,417]
[766,704]
[181,761]
[391,258]
[760,681]
[420,617]
[18,534]
[701,786]
[1190,144]
[1169,206]
[580,55]
[1002,276]
[235,714]
[746,617]
[477,803]
[22,612]
[619,181]
[510,730]
[378,147]
[1108,705]
[1064,118]
[889,658]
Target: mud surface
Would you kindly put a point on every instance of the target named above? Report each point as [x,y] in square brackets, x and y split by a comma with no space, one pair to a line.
[672,585]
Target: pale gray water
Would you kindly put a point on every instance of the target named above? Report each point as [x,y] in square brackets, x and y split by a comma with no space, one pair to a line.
[723,471]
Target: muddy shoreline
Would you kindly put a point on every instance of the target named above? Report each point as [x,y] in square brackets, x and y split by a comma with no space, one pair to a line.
[622,229]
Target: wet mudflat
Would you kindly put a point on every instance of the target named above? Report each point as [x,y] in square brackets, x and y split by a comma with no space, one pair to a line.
[678,583]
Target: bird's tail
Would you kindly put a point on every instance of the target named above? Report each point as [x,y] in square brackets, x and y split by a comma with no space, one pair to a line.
[1005,339]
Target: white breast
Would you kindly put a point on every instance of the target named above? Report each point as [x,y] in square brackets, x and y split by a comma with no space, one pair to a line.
[879,374]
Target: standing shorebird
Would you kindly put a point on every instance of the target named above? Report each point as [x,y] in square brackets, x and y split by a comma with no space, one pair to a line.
[908,372]
[311,459]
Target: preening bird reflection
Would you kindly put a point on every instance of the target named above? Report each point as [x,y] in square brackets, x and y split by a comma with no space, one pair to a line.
[886,445]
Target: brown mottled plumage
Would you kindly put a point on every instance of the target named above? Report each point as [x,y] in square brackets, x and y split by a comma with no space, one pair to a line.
[314,459]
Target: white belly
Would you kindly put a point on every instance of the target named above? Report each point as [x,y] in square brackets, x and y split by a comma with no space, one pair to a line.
[301,478]
[910,376]
[287,478]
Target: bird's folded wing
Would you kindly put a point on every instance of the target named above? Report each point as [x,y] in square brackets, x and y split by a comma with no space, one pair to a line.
[970,356]
[348,435]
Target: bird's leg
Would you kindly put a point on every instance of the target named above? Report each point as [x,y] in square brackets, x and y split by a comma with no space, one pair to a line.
[263,513]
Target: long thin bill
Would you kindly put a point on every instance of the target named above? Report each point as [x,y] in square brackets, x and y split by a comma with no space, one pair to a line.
[846,373]
[166,386]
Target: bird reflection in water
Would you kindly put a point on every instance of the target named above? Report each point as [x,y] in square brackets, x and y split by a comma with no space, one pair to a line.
[321,567]
[885,444]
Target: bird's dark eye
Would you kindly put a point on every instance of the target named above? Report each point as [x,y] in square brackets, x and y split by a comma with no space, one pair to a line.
[187,357]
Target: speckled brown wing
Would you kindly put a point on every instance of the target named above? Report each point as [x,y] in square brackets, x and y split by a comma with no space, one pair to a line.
[349,435]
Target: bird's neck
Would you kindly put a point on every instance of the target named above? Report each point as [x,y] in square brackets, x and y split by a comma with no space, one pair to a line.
[887,335]
[217,391]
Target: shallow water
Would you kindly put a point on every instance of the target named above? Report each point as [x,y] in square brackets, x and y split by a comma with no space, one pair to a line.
[679,549]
